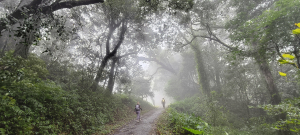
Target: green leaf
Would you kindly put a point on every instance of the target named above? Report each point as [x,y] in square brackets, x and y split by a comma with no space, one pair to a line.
[297,24]
[296,31]
[293,130]
[291,57]
[282,74]
[281,61]
[196,132]
[2,131]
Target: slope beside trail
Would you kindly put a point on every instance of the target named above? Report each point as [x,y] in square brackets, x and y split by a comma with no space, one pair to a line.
[143,127]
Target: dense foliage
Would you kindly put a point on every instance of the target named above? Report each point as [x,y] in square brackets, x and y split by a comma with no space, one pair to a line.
[254,89]
[290,107]
[190,117]
[174,122]
[73,67]
[198,116]
[181,123]
[32,104]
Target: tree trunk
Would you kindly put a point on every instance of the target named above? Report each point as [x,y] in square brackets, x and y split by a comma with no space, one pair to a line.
[269,80]
[109,54]
[202,76]
[265,71]
[22,48]
[101,68]
[260,58]
[2,53]
[111,80]
[217,74]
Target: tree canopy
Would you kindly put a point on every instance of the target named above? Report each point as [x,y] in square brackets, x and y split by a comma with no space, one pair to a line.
[230,65]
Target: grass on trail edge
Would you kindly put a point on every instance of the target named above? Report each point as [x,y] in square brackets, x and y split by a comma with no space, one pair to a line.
[161,125]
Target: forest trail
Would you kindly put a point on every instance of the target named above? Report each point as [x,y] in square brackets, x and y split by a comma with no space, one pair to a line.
[143,127]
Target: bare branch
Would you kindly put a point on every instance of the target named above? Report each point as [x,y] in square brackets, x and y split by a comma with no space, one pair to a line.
[127,54]
[159,63]
[151,76]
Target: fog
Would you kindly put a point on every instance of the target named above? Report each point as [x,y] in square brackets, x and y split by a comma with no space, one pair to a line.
[228,61]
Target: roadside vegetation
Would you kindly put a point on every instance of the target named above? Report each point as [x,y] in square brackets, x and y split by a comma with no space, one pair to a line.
[80,66]
[32,102]
[197,116]
[244,97]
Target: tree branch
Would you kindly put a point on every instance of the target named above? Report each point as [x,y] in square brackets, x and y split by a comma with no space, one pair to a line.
[127,54]
[111,30]
[33,7]
[121,38]
[151,76]
[159,63]
[69,4]
[216,38]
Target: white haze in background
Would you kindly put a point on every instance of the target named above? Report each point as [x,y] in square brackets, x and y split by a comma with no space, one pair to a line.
[157,85]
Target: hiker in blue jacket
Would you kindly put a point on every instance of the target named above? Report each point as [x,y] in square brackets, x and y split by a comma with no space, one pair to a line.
[138,110]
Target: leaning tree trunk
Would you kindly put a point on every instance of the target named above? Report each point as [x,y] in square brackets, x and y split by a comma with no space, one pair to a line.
[266,73]
[265,70]
[260,58]
[275,97]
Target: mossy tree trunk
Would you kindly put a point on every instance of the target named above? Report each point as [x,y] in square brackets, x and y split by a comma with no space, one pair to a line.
[202,75]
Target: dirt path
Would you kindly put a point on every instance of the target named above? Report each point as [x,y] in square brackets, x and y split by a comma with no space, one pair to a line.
[143,127]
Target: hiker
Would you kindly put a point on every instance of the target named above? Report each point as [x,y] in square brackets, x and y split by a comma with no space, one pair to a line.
[163,102]
[138,110]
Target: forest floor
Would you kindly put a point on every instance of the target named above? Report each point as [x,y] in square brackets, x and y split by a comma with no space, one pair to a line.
[144,127]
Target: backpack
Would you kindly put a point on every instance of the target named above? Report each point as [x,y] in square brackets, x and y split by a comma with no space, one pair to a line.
[137,107]
[163,100]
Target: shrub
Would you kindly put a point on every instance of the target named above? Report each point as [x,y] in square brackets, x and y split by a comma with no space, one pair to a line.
[31,104]
[208,109]
[183,123]
[291,109]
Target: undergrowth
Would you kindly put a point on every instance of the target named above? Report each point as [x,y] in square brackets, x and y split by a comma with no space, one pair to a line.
[31,103]
[185,118]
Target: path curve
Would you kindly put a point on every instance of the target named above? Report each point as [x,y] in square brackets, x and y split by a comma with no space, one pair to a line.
[143,127]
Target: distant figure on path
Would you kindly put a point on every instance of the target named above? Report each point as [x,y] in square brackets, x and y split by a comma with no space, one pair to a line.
[138,110]
[163,102]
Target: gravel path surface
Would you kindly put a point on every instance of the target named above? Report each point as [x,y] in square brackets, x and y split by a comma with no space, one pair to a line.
[143,127]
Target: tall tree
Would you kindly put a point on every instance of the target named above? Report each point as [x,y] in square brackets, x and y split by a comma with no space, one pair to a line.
[266,34]
[118,15]
[201,69]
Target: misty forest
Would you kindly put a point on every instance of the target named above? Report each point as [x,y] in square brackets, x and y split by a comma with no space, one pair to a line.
[223,67]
